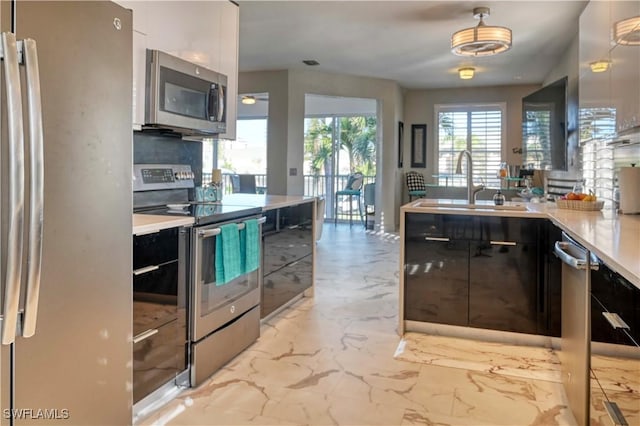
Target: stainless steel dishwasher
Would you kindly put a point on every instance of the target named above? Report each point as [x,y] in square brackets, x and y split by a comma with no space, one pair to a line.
[575,353]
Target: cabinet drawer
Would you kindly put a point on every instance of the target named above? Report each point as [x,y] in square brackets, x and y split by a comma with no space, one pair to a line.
[616,295]
[286,246]
[513,229]
[602,330]
[286,283]
[158,358]
[419,226]
[162,281]
[156,248]
[299,215]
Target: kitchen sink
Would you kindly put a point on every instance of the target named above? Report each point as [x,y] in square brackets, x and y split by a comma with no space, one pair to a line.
[462,204]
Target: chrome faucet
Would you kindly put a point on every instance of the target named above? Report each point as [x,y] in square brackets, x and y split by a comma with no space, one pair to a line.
[471,189]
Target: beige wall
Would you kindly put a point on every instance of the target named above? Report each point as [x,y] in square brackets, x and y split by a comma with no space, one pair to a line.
[419,108]
[285,132]
[276,83]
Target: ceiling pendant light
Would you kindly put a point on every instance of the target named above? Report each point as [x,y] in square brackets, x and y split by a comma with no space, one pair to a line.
[466,73]
[482,40]
[600,66]
[248,100]
[627,31]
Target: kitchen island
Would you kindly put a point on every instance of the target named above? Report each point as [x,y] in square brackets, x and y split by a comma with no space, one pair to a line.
[489,272]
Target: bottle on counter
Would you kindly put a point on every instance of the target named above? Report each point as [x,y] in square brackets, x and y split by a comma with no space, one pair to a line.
[498,198]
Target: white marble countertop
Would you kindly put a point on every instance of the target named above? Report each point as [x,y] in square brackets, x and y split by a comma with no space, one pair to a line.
[612,237]
[143,223]
[266,201]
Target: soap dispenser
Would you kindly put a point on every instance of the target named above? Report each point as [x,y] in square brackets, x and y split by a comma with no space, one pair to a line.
[498,198]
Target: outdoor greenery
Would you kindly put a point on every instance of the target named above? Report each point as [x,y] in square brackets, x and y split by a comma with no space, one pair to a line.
[356,136]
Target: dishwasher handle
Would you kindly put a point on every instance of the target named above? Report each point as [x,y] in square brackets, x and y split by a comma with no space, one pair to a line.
[567,252]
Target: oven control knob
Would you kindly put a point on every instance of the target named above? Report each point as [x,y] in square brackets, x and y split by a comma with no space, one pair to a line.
[233,308]
[178,175]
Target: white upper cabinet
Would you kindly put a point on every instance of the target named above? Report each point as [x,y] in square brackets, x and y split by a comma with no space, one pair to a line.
[616,90]
[202,32]
[625,69]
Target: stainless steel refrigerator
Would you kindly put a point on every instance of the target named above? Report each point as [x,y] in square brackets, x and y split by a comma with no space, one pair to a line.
[65,356]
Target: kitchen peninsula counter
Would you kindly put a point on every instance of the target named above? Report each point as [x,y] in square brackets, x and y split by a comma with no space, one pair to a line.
[615,238]
[266,201]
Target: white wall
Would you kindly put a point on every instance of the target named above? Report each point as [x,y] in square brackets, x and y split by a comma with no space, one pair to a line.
[285,148]
[419,107]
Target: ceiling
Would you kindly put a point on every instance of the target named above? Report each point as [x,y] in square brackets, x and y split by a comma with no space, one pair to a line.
[405,41]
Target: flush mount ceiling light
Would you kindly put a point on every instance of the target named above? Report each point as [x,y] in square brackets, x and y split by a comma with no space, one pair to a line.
[311,62]
[600,66]
[466,73]
[482,40]
[627,31]
[248,100]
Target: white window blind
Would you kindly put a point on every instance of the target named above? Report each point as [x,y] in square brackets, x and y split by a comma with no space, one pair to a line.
[597,125]
[537,136]
[474,128]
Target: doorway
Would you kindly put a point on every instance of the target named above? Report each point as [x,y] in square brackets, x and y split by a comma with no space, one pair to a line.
[340,138]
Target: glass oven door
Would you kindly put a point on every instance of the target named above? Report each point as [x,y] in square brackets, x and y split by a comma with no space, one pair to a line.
[216,304]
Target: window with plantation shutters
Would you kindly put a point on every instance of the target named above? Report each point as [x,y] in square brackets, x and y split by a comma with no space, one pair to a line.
[478,129]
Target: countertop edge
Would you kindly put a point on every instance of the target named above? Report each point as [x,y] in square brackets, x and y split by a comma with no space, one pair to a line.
[145,223]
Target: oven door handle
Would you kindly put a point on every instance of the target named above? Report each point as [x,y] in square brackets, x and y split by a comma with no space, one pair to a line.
[216,231]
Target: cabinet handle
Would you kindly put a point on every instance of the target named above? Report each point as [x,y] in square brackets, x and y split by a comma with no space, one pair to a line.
[145,335]
[294,227]
[615,414]
[444,239]
[502,243]
[146,269]
[615,320]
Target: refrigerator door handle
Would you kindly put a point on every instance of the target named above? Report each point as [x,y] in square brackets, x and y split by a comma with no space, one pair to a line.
[15,205]
[36,201]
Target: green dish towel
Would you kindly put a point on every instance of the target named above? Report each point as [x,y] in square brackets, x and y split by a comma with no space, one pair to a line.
[228,258]
[250,245]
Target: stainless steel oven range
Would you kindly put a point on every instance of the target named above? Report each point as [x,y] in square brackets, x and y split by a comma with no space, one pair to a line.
[224,318]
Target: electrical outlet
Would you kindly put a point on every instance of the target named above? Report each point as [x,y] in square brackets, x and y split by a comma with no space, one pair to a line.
[293,171]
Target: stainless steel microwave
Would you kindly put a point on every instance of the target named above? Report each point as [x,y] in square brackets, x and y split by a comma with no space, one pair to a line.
[184,97]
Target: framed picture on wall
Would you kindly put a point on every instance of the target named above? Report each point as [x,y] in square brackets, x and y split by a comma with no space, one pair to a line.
[400,143]
[418,145]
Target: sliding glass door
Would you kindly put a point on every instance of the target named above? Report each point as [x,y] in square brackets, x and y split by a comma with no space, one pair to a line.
[335,147]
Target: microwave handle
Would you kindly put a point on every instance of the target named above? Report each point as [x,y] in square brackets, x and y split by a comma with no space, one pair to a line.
[216,102]
[221,103]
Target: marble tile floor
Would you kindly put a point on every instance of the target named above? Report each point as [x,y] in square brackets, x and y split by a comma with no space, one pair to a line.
[329,360]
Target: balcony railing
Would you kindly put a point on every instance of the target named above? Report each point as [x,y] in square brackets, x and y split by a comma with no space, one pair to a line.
[314,185]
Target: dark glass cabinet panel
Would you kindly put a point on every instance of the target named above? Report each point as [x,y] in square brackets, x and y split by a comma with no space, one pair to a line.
[159,309]
[287,255]
[479,271]
[156,248]
[286,283]
[613,294]
[503,285]
[437,281]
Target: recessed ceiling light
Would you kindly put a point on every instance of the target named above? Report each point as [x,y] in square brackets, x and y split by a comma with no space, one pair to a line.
[466,73]
[248,100]
[311,62]
[600,66]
